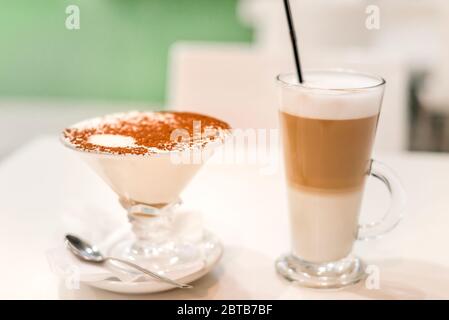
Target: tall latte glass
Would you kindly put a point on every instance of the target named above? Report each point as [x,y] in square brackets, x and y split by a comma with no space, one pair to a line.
[328,126]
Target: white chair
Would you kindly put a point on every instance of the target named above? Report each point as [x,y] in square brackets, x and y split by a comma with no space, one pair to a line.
[233,82]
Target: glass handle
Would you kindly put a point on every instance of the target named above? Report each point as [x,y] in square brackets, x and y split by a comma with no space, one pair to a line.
[393,215]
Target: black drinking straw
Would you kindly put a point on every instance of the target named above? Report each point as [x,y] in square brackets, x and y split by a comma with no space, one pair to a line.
[291,27]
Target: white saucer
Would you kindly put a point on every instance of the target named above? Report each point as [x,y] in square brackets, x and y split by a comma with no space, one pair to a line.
[212,251]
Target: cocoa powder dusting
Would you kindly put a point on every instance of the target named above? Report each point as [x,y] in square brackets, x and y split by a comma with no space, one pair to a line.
[152,131]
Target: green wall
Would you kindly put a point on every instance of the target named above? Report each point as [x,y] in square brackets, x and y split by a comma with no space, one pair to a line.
[119,53]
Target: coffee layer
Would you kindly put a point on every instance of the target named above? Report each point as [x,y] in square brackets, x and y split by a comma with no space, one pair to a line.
[327,154]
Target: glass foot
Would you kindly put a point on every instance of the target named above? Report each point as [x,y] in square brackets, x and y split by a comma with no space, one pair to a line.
[329,275]
[167,256]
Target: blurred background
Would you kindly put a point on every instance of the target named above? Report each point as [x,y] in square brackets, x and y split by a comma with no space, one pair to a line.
[218,57]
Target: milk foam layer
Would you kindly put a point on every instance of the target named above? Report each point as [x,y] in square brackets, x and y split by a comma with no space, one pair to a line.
[333,80]
[323,225]
[331,96]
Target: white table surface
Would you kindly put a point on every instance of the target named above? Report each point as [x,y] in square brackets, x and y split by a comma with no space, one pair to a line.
[42,185]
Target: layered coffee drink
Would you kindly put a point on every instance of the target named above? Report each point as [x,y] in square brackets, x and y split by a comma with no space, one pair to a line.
[133,151]
[328,135]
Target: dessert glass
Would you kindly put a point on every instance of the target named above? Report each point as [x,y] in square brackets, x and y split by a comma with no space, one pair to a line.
[148,187]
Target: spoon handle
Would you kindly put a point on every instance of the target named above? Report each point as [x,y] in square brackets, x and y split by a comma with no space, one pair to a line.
[151,273]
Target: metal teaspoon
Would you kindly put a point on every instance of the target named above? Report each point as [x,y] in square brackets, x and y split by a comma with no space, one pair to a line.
[87,252]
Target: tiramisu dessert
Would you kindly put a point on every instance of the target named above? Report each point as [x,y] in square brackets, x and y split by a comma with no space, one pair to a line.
[133,151]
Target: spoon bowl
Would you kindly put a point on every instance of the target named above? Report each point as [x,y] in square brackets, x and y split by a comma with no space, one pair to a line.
[83,249]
